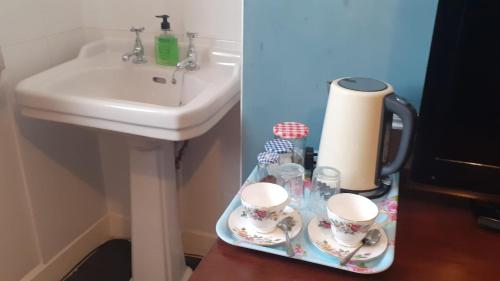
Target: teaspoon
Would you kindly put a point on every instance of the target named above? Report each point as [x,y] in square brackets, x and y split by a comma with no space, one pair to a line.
[371,238]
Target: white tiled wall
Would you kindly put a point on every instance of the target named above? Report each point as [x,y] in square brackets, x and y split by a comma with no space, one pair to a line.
[122,14]
[30,56]
[219,19]
[24,20]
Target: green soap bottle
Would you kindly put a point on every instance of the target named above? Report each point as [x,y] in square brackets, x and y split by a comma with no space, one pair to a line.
[166,45]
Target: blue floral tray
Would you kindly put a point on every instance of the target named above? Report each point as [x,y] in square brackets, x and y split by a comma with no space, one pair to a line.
[306,251]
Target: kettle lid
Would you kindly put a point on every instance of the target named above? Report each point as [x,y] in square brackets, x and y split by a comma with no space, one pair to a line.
[362,84]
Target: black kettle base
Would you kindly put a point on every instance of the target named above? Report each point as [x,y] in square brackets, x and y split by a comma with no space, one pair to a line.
[383,188]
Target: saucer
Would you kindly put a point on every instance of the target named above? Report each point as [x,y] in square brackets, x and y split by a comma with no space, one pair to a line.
[243,230]
[322,237]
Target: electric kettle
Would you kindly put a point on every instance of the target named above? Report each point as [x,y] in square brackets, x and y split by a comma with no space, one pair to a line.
[357,113]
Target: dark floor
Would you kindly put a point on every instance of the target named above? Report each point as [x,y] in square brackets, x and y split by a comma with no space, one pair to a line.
[111,262]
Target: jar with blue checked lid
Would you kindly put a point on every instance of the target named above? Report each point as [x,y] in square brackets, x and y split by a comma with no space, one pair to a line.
[267,169]
[282,147]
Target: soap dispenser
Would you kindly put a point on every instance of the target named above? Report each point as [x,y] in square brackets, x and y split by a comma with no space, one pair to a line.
[166,45]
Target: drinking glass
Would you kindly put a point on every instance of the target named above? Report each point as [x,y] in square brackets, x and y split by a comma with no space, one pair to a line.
[291,177]
[325,184]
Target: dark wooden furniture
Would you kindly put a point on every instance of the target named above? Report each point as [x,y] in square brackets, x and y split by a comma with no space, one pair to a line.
[457,133]
[437,239]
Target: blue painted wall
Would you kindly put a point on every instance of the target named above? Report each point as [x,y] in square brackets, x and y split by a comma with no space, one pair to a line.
[292,47]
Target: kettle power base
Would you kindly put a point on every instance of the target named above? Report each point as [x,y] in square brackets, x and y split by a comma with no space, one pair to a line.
[304,248]
[378,192]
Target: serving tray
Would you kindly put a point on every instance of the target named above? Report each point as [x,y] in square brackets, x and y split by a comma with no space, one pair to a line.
[306,251]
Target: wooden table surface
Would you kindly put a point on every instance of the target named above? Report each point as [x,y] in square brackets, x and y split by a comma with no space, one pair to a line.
[437,239]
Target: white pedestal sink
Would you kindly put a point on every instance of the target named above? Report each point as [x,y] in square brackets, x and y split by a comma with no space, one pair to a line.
[98,90]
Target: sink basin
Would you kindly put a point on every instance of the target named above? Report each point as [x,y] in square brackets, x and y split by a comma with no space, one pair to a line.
[99,90]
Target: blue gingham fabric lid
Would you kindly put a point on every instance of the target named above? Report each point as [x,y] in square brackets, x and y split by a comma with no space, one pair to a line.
[268,158]
[279,146]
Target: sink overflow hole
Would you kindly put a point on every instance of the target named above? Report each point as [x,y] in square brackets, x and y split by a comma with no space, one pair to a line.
[160,80]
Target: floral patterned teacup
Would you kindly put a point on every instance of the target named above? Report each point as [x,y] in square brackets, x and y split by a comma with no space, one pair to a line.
[351,217]
[263,205]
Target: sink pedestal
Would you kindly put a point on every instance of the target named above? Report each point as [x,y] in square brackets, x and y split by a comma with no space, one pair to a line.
[157,253]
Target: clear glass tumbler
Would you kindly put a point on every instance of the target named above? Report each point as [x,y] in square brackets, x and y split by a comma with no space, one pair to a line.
[325,184]
[291,177]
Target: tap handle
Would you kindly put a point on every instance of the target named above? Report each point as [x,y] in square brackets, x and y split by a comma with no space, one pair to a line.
[137,30]
[191,35]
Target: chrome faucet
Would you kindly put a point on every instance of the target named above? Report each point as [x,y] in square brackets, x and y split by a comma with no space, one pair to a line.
[190,63]
[138,50]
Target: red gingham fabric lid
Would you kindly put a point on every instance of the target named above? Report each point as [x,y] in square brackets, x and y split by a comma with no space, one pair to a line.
[291,130]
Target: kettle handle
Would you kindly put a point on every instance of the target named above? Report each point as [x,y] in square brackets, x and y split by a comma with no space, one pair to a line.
[408,115]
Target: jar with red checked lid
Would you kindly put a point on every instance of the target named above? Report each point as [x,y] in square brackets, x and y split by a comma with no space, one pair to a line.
[296,133]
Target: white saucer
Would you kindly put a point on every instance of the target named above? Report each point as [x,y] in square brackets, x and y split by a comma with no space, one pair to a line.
[243,230]
[322,237]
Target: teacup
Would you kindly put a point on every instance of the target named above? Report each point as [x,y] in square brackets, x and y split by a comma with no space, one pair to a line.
[263,205]
[351,216]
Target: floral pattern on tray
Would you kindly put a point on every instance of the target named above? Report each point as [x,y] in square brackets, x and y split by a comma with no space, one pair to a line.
[359,268]
[350,228]
[390,207]
[299,250]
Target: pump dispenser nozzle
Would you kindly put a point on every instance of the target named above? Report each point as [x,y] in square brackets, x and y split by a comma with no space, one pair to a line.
[165,25]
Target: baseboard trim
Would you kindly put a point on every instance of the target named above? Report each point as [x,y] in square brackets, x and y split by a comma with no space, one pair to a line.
[57,267]
[197,243]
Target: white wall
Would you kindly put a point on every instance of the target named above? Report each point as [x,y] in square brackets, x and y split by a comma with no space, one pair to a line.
[209,178]
[116,166]
[51,187]
[64,180]
[17,238]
